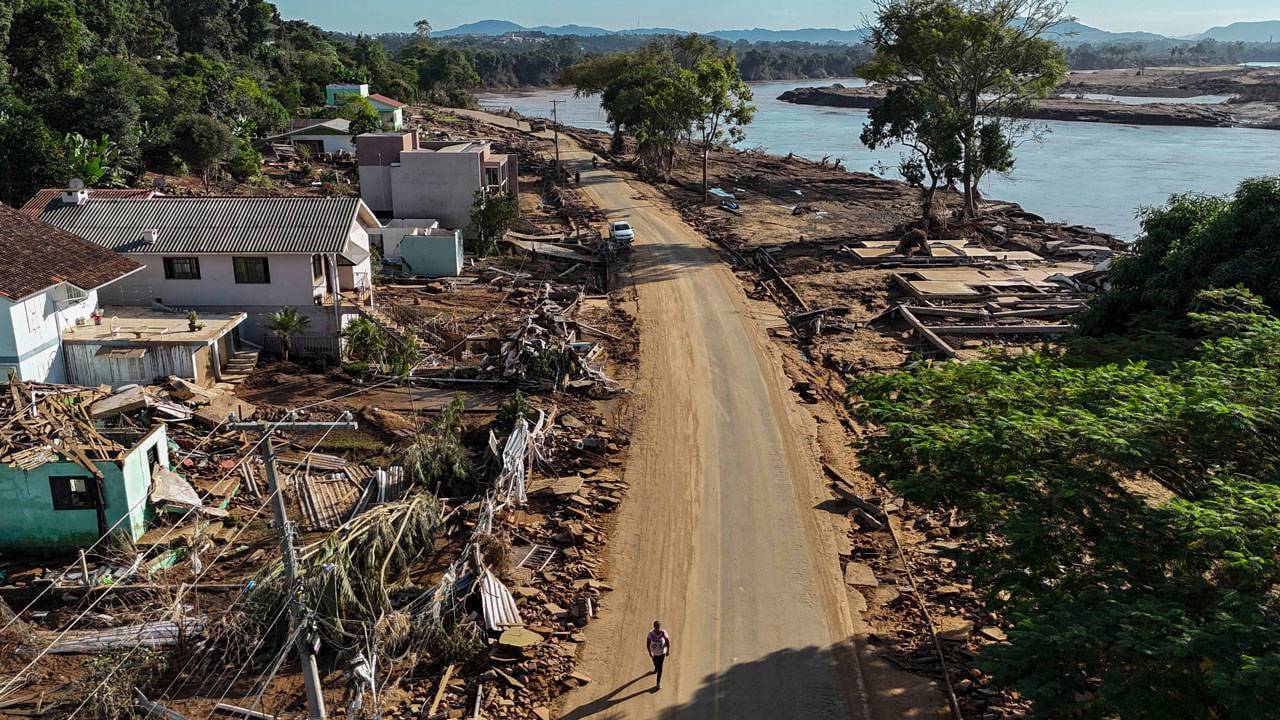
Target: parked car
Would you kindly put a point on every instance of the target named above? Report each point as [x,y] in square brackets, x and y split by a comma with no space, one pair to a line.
[621,230]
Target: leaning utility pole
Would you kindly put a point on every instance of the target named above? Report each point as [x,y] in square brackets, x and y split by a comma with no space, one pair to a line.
[555,126]
[285,529]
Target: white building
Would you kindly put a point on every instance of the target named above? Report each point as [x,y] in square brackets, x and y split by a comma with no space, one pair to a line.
[238,254]
[49,282]
[317,136]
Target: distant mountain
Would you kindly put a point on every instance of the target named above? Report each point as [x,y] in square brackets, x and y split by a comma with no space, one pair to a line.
[579,30]
[1265,31]
[813,35]
[482,27]
[1068,33]
[1076,33]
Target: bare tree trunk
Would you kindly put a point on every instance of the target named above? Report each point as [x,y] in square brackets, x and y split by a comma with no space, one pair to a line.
[706,160]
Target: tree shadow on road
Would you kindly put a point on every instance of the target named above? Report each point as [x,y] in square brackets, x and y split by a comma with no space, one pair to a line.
[793,683]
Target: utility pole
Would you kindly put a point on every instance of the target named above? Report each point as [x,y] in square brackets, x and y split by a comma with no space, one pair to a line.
[555,125]
[285,529]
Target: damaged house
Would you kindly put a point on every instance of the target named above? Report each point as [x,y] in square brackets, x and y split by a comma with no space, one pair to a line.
[227,255]
[64,482]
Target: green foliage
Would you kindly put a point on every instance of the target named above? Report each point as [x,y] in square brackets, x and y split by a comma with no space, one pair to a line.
[246,163]
[492,215]
[44,48]
[362,114]
[203,143]
[723,99]
[979,65]
[444,74]
[656,100]
[511,411]
[284,324]
[931,133]
[437,459]
[96,162]
[365,341]
[31,156]
[1194,243]
[1126,520]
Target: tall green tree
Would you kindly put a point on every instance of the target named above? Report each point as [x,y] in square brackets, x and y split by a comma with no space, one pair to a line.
[44,46]
[1195,242]
[31,156]
[657,101]
[362,114]
[931,135]
[723,106]
[492,215]
[203,143]
[983,61]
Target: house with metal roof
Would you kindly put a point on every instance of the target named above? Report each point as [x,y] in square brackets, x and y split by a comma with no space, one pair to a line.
[50,280]
[316,135]
[227,255]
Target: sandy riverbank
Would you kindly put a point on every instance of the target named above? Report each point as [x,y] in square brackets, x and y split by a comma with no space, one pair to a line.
[1255,114]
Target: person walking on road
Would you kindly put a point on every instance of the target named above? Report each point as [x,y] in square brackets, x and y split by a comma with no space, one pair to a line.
[658,643]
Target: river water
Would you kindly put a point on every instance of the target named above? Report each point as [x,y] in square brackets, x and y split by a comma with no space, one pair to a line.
[1087,173]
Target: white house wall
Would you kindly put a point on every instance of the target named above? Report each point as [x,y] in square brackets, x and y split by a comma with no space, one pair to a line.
[292,284]
[31,332]
[331,143]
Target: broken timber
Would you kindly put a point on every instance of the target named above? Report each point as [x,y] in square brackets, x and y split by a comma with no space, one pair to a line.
[927,333]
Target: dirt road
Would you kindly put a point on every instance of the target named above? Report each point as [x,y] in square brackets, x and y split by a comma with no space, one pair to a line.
[714,539]
[719,537]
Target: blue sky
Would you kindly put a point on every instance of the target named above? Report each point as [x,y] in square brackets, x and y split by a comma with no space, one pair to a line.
[1170,17]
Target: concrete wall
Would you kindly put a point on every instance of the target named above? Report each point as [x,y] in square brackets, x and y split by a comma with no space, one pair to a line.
[292,283]
[30,522]
[388,237]
[161,361]
[375,187]
[439,185]
[435,255]
[31,331]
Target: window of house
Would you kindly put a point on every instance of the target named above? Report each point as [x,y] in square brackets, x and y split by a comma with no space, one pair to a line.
[181,268]
[153,457]
[317,267]
[252,270]
[71,493]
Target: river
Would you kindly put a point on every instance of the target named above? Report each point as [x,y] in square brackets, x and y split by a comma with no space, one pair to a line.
[1088,173]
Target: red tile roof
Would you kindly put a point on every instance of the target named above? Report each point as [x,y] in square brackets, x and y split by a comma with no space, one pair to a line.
[48,196]
[386,100]
[38,256]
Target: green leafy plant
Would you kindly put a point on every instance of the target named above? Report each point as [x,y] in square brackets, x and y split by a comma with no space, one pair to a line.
[1125,521]
[284,324]
[96,162]
[511,411]
[438,459]
[492,215]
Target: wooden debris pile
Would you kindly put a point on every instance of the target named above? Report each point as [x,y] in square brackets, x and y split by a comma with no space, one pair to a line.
[42,423]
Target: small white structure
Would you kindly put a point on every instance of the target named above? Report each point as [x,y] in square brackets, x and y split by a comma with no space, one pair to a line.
[126,345]
[317,136]
[49,282]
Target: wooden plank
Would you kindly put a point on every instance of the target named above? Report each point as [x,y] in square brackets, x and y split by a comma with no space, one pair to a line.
[927,333]
[1001,329]
[239,712]
[945,312]
[444,685]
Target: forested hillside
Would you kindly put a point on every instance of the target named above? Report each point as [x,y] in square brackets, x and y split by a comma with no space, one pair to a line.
[106,88]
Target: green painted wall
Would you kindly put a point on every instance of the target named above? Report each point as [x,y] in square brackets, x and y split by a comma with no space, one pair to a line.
[432,255]
[28,520]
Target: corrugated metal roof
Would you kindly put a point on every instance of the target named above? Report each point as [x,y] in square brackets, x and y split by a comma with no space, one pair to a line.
[212,224]
[48,196]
